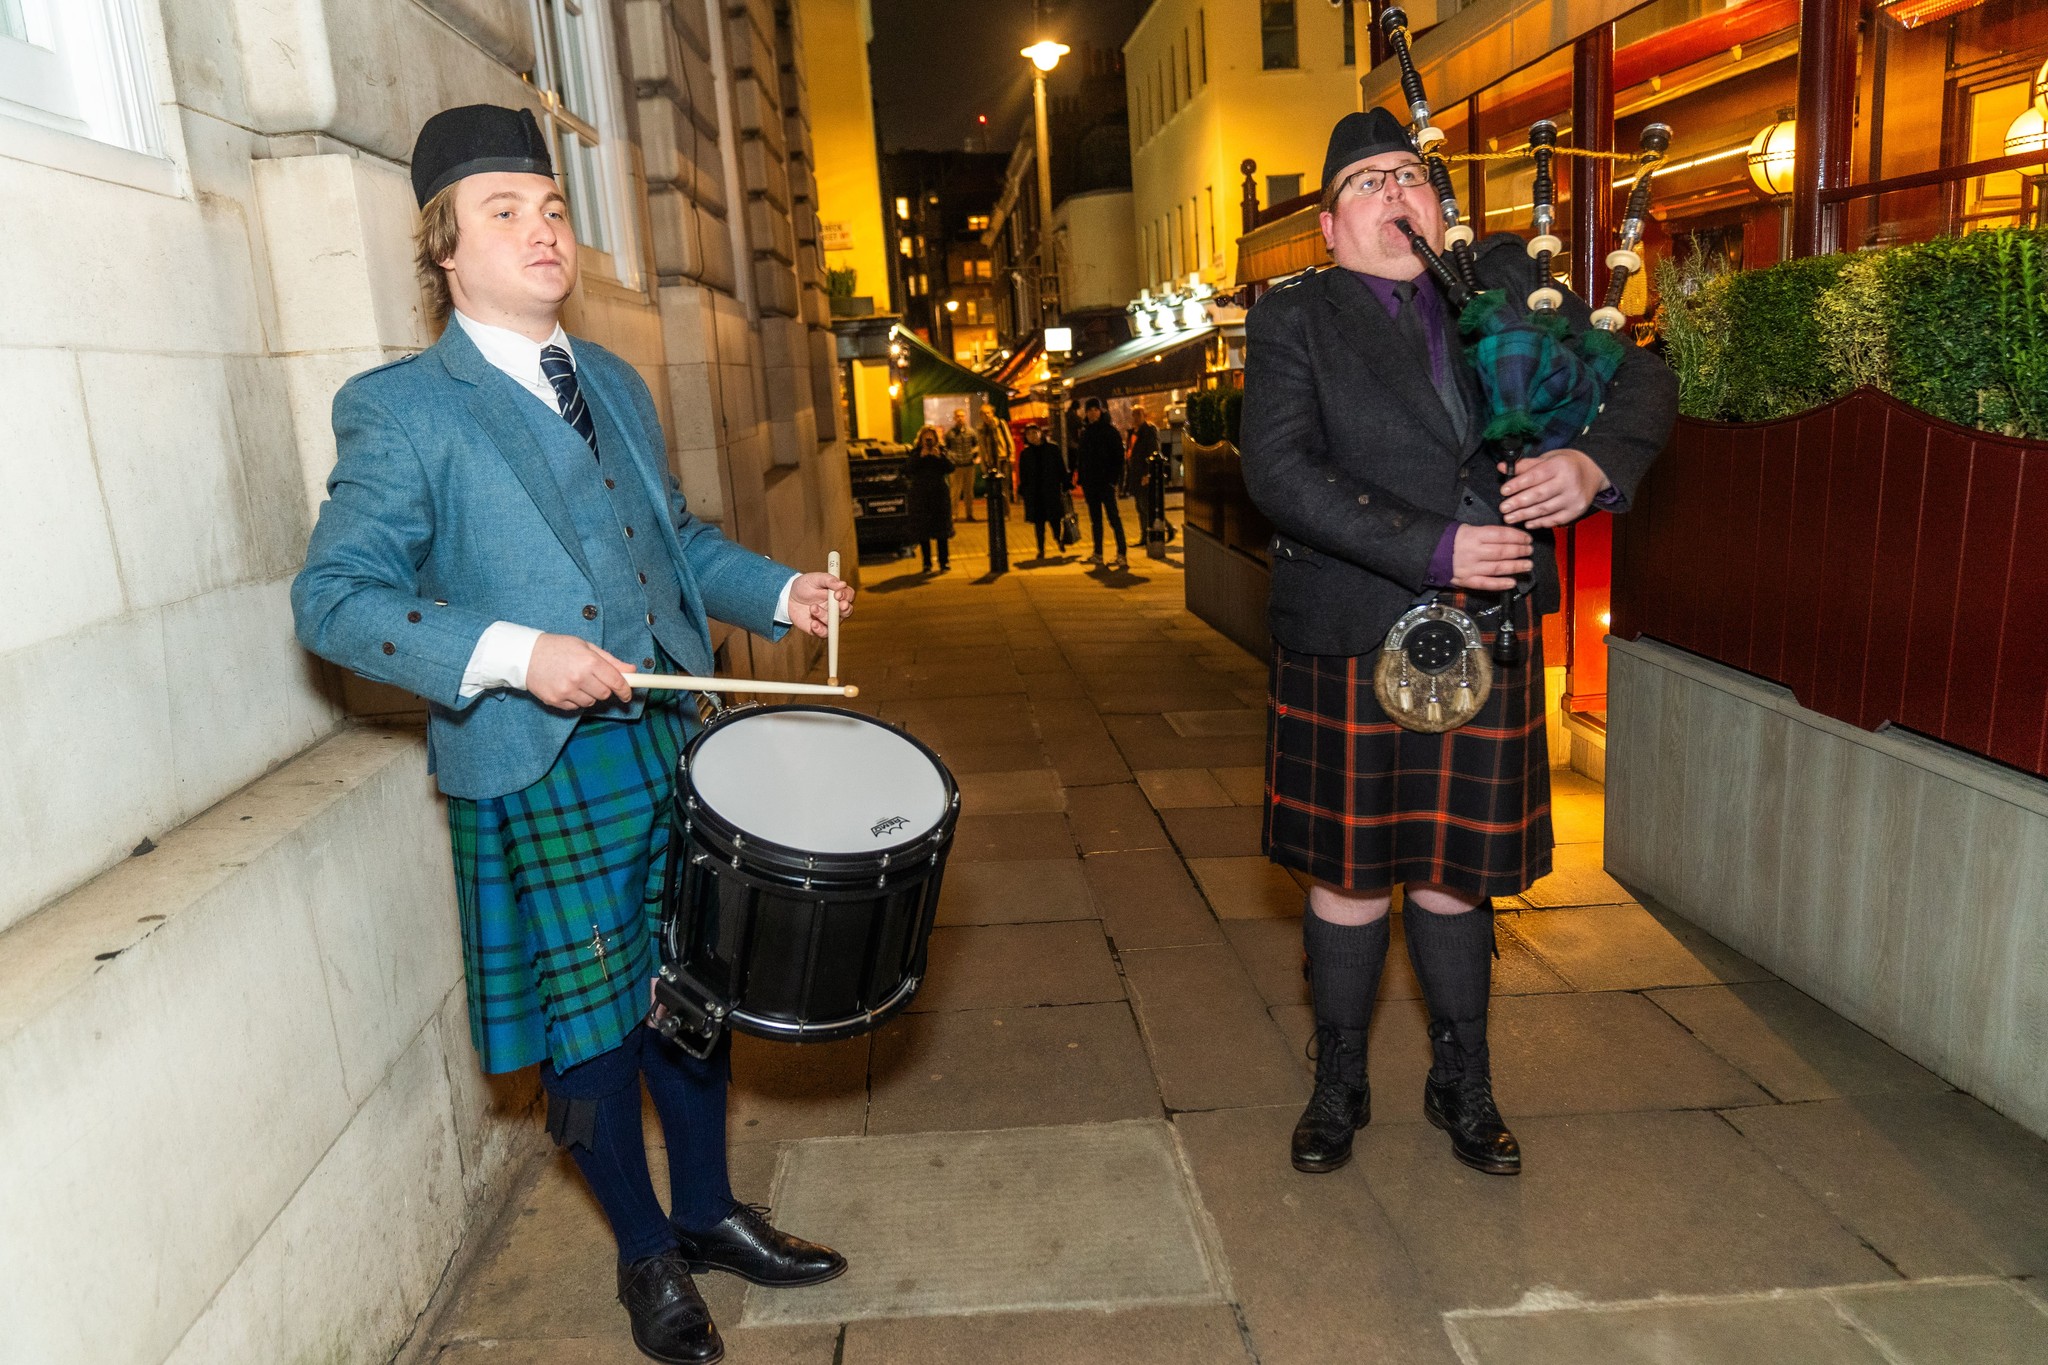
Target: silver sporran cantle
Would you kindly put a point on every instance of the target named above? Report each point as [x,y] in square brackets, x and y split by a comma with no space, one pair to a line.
[1433,673]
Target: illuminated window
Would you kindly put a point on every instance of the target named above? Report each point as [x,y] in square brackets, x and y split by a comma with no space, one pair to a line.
[1278,45]
[903,244]
[977,222]
[903,208]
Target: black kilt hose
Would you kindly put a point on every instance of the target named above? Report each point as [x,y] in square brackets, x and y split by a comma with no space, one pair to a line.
[1357,801]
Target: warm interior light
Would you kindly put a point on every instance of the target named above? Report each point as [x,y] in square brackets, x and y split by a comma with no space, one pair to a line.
[1606,619]
[1045,54]
[952,305]
[2028,133]
[895,390]
[1771,156]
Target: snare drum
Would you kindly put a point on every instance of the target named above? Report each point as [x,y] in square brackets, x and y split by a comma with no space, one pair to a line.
[806,854]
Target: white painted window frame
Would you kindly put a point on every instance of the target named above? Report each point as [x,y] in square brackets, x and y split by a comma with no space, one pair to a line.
[605,136]
[79,95]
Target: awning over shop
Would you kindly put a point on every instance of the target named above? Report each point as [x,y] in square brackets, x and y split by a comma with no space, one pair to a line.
[1483,43]
[931,373]
[1176,360]
[1286,246]
[1017,371]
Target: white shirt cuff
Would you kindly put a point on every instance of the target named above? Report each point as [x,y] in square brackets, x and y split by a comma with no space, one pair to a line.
[500,658]
[782,616]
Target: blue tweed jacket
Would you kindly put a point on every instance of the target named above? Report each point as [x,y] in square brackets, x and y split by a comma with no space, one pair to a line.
[443,516]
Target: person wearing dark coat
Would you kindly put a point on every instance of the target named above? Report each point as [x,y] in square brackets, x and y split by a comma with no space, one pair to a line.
[1363,445]
[1100,468]
[1042,482]
[931,497]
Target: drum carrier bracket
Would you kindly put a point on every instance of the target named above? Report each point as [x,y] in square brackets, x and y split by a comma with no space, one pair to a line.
[685,1017]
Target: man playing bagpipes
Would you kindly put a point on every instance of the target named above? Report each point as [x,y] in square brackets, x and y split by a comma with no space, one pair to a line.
[1363,440]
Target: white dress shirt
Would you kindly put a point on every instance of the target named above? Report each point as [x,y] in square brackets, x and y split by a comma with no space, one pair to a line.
[505,649]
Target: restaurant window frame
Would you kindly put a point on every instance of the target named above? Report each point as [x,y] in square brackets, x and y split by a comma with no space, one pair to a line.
[575,74]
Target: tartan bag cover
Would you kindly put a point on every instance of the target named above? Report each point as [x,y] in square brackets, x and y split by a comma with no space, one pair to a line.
[559,891]
[1355,800]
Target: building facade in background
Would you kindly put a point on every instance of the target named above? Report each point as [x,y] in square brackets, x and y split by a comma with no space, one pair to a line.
[255,991]
[1212,83]
[852,232]
[938,205]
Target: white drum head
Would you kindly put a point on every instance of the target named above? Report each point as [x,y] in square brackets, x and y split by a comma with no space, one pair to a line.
[819,781]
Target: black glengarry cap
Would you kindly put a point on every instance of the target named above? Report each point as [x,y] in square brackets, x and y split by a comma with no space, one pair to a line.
[472,140]
[1358,136]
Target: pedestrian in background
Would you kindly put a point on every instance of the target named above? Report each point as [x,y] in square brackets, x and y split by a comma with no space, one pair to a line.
[963,448]
[1042,483]
[931,501]
[1100,467]
[1143,475]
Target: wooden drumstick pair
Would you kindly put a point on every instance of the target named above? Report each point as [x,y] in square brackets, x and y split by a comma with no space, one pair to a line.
[677,682]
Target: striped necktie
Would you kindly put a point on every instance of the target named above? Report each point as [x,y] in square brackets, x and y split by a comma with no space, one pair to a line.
[561,372]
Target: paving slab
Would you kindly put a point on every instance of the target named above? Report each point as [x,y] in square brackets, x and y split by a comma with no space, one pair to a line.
[1015,891]
[1062,686]
[1578,817]
[1086,760]
[1940,1184]
[1271,952]
[1235,720]
[1737,1332]
[1216,832]
[1630,948]
[1246,785]
[809,1345]
[1030,1218]
[1320,1273]
[1010,838]
[1113,818]
[1147,741]
[1792,1045]
[1148,900]
[1952,1324]
[994,966]
[1578,877]
[1012,793]
[973,1069]
[782,1090]
[1204,1334]
[992,756]
[1211,1041]
[1247,888]
[1180,788]
[1601,1052]
[1608,1206]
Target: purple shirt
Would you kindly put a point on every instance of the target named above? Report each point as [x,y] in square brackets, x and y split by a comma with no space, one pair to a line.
[1436,328]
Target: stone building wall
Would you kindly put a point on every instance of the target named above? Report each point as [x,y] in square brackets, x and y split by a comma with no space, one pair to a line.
[243,1118]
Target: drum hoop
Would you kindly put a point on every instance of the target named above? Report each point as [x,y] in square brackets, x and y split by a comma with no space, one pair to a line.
[750,848]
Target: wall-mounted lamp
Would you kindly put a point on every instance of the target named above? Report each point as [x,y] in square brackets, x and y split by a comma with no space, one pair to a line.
[1771,154]
[952,305]
[2028,133]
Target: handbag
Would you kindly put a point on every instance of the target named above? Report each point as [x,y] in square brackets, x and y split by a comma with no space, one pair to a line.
[1070,525]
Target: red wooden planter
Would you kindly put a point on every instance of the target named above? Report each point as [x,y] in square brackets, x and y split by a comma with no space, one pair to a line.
[1886,566]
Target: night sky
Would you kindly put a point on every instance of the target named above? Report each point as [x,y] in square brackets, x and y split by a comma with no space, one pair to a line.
[938,63]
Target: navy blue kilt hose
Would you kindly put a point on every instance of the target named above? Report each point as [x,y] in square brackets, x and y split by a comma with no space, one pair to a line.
[1355,800]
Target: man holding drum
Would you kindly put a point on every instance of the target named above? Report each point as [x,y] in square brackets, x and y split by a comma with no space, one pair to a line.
[1362,444]
[503,538]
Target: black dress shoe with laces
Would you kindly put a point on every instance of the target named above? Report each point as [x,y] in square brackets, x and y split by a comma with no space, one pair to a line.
[670,1322]
[747,1246]
[1322,1139]
[1341,1103]
[1461,1103]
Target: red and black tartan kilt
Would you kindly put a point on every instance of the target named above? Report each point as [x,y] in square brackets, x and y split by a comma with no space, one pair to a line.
[1357,801]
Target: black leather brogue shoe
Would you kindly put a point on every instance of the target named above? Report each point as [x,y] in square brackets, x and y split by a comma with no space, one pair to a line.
[670,1322]
[746,1245]
[1458,1098]
[1322,1138]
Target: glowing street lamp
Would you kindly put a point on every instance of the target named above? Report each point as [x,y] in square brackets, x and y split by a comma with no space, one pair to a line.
[1045,54]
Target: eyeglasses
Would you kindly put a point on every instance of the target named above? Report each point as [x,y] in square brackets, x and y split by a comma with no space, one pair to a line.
[1409,175]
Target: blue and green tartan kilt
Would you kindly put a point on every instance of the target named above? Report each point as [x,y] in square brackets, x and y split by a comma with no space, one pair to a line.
[559,890]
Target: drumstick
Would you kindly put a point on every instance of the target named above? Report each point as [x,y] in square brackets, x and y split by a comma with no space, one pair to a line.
[677,682]
[832,624]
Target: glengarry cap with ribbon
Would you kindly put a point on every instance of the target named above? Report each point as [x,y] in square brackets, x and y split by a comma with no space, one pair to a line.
[472,140]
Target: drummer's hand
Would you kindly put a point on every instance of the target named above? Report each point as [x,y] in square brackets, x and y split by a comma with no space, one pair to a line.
[570,674]
[1554,489]
[1487,558]
[807,598]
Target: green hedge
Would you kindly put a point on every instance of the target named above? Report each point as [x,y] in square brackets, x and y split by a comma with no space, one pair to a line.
[1957,327]
[1212,415]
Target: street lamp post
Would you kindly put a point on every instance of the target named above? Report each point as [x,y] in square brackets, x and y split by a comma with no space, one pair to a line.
[1045,55]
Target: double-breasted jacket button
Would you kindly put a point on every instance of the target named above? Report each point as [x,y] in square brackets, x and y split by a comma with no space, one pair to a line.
[647,663]
[643,578]
[609,484]
[629,533]
[413,617]
[1364,499]
[390,648]
[650,618]
[590,613]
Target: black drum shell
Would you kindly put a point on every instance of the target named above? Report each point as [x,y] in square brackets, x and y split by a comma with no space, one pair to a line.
[784,943]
